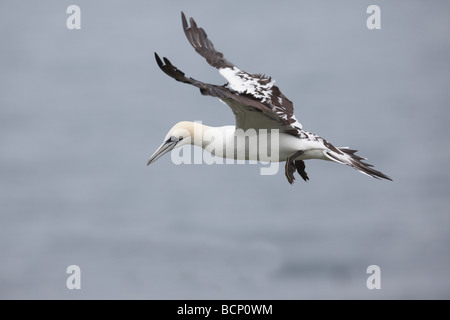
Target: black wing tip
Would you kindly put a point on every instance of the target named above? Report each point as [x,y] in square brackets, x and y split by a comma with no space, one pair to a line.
[193,23]
[158,60]
[161,64]
[168,68]
[199,40]
[184,21]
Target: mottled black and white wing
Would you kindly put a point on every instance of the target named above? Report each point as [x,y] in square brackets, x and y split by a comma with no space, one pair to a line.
[249,112]
[256,87]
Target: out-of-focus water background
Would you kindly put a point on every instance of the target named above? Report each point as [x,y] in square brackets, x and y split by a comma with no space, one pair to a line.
[82,110]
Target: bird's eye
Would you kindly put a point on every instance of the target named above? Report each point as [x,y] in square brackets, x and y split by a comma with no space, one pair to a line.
[172,139]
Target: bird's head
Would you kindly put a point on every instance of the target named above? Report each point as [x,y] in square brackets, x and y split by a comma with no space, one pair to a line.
[181,134]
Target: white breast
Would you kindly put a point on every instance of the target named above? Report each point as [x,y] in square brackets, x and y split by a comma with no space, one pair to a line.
[226,142]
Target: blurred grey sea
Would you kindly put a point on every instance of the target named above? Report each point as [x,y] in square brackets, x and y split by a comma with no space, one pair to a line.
[82,110]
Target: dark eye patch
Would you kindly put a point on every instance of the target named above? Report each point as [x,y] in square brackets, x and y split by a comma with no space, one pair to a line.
[173,139]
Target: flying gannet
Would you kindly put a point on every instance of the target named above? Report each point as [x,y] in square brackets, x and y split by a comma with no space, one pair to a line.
[257,104]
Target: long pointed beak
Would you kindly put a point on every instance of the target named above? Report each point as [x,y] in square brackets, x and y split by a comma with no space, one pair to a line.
[163,149]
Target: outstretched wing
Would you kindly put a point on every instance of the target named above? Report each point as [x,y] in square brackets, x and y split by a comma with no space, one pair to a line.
[255,87]
[249,112]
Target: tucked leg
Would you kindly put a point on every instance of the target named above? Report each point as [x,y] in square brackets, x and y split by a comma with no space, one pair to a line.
[291,167]
[300,164]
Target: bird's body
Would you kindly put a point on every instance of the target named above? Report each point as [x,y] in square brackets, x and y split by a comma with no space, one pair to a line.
[266,128]
[227,142]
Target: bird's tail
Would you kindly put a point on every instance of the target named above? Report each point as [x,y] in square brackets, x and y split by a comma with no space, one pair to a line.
[347,156]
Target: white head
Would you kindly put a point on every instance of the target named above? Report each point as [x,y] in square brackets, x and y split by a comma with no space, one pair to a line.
[181,134]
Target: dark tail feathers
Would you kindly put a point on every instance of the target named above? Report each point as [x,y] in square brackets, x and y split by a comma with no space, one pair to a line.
[347,156]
